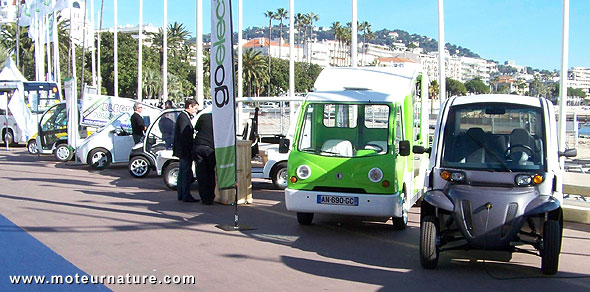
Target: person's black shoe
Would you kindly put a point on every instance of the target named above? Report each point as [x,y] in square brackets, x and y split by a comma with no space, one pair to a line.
[190,199]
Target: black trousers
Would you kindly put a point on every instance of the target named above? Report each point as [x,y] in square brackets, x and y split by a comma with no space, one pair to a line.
[205,158]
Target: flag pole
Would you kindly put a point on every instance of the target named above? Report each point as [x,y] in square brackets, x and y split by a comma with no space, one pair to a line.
[223,100]
[140,54]
[116,51]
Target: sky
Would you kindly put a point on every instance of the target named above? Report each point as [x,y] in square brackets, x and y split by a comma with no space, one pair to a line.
[529,32]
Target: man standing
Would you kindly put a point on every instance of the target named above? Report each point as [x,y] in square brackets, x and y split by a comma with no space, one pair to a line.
[137,123]
[204,155]
[183,143]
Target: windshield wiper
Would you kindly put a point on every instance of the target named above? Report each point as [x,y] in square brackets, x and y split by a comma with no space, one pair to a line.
[486,149]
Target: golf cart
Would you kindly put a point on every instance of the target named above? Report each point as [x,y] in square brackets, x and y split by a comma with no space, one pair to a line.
[493,179]
[111,143]
[157,144]
[52,137]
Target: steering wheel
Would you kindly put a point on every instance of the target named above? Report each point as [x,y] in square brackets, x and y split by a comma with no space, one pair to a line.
[527,149]
[377,147]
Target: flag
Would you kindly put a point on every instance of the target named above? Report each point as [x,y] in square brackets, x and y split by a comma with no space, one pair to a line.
[26,13]
[21,113]
[61,5]
[222,92]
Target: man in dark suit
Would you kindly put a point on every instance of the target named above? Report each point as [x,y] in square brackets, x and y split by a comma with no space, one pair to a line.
[204,155]
[137,123]
[183,144]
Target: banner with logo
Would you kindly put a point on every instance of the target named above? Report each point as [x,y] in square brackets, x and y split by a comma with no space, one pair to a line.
[222,92]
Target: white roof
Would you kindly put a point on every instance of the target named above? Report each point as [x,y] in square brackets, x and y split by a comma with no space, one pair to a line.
[378,84]
[499,98]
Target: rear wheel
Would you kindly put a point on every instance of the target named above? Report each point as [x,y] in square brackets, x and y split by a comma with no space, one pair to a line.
[400,223]
[170,175]
[304,218]
[428,242]
[32,147]
[139,166]
[8,137]
[63,152]
[99,158]
[551,247]
[279,176]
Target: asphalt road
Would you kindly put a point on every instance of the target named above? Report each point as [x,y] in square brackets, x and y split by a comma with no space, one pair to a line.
[108,223]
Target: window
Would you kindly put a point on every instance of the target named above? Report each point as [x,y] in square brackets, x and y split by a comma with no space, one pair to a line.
[376,116]
[399,134]
[340,115]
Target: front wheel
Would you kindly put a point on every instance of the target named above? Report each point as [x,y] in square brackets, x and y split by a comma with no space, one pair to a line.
[170,175]
[400,223]
[279,176]
[99,158]
[139,166]
[551,247]
[63,152]
[428,242]
[32,147]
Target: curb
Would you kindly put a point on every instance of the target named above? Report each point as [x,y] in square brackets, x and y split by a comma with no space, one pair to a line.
[576,214]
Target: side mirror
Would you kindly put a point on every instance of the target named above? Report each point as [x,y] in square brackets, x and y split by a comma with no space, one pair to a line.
[417,149]
[284,145]
[151,140]
[404,148]
[569,153]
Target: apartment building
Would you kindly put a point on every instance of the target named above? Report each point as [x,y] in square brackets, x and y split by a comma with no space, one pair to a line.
[8,11]
[579,77]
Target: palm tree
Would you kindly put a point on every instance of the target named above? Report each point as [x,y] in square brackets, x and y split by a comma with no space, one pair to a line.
[152,83]
[365,27]
[312,17]
[337,30]
[254,68]
[299,17]
[271,16]
[280,15]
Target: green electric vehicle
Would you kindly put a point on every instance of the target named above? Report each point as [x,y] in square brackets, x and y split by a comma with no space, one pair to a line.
[351,152]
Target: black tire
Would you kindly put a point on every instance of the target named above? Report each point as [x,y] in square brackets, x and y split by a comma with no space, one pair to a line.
[552,231]
[8,137]
[170,175]
[63,152]
[400,223]
[304,218]
[32,147]
[99,158]
[279,175]
[428,238]
[139,166]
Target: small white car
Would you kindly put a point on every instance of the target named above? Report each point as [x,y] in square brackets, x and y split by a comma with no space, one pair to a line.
[109,144]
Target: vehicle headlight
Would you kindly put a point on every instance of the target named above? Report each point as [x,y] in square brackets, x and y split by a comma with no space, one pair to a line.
[303,171]
[453,176]
[375,175]
[527,179]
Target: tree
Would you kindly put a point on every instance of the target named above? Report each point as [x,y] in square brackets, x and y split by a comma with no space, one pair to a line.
[254,70]
[299,22]
[337,31]
[271,16]
[576,92]
[455,87]
[280,15]
[433,89]
[3,56]
[476,86]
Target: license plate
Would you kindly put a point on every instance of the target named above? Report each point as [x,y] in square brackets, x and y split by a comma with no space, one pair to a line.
[336,200]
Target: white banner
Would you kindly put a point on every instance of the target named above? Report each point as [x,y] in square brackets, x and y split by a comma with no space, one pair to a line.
[20,112]
[222,92]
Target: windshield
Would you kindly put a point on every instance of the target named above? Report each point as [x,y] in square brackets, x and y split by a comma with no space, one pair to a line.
[55,118]
[498,137]
[345,130]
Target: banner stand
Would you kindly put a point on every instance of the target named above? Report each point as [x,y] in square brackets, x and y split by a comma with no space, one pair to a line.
[236,226]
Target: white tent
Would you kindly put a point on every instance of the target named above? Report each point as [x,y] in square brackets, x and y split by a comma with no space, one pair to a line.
[11,73]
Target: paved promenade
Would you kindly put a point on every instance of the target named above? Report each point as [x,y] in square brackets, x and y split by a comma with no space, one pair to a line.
[108,223]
